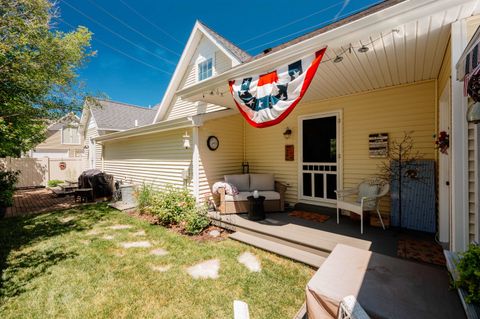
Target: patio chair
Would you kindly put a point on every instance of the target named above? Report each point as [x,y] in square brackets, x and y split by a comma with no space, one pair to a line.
[363,198]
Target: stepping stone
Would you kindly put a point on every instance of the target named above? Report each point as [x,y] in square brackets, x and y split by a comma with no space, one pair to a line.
[139,233]
[119,227]
[161,268]
[136,244]
[67,219]
[108,237]
[159,252]
[250,261]
[214,233]
[93,232]
[205,270]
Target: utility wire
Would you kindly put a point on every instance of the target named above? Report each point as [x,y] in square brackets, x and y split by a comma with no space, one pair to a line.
[151,23]
[293,22]
[132,28]
[315,26]
[122,53]
[119,35]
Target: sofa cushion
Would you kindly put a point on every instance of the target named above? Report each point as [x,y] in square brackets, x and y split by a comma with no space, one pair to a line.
[243,196]
[241,181]
[262,182]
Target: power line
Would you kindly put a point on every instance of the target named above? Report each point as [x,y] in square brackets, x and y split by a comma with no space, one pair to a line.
[151,23]
[119,35]
[293,22]
[315,26]
[123,53]
[133,29]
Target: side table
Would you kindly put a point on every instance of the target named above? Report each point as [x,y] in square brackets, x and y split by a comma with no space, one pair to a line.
[255,208]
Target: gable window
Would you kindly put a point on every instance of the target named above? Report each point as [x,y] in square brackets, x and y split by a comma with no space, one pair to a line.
[70,135]
[205,69]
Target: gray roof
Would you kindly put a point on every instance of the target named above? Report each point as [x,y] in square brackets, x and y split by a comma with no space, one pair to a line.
[119,116]
[236,51]
[69,119]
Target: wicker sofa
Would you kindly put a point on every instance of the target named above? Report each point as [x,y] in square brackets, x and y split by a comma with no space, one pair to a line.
[265,184]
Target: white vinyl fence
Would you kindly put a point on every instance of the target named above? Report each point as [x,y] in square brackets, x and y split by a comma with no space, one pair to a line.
[38,171]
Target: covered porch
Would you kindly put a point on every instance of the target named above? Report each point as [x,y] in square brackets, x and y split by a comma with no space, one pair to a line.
[388,74]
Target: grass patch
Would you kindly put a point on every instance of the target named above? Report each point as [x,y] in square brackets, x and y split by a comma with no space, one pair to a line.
[59,265]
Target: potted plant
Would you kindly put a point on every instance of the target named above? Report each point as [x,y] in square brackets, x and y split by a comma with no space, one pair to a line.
[8,179]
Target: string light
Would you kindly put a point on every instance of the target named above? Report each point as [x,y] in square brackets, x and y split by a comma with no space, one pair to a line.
[338,57]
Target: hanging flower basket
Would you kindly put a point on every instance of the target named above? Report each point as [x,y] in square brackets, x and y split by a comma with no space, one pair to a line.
[443,142]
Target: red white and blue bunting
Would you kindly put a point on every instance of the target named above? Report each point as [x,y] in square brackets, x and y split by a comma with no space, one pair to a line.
[266,100]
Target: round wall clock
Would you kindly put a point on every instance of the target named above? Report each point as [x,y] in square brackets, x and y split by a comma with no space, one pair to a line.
[212,143]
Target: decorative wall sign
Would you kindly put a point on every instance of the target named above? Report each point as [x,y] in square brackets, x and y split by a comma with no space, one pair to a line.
[62,165]
[289,153]
[378,145]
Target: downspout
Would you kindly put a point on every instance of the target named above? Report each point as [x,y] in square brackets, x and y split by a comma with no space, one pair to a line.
[196,164]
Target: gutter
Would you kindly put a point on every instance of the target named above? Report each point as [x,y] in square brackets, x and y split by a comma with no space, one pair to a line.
[342,35]
[184,122]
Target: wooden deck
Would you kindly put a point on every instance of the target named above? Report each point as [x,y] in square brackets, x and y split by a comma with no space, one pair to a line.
[307,241]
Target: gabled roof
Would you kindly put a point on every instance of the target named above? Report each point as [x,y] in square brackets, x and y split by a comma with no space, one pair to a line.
[237,55]
[117,116]
[67,119]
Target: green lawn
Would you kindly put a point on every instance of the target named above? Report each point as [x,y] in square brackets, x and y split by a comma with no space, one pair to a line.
[59,265]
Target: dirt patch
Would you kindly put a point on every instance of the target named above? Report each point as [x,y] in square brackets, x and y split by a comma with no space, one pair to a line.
[180,229]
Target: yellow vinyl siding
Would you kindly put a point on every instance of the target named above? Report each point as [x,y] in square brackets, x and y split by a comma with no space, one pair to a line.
[227,159]
[394,111]
[54,142]
[222,62]
[156,159]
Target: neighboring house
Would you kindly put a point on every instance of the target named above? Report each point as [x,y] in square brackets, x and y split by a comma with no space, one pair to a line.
[401,83]
[63,140]
[108,117]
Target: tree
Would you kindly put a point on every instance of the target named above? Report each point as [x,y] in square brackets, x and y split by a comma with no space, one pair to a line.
[38,79]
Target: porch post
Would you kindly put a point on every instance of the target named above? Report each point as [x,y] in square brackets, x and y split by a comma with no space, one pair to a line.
[196,164]
[459,145]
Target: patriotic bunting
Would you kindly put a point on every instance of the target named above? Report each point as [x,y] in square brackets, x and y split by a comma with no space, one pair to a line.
[266,100]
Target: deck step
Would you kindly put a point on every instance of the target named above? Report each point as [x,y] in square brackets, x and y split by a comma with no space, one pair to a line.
[300,255]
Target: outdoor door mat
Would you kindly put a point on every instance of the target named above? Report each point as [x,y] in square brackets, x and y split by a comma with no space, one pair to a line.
[421,250]
[316,217]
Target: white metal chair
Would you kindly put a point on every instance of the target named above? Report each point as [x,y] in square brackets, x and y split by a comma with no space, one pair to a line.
[365,197]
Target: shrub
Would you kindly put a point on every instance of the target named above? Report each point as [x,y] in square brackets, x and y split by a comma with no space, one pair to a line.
[145,197]
[172,204]
[196,220]
[469,273]
[8,179]
[54,182]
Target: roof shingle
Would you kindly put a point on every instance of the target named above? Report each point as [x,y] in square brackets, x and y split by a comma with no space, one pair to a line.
[119,116]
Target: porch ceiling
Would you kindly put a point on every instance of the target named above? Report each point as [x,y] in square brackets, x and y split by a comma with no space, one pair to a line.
[413,53]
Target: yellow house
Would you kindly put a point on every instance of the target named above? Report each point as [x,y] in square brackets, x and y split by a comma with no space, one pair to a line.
[393,75]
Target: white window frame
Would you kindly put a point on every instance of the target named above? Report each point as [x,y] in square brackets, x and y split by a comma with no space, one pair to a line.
[203,60]
[78,133]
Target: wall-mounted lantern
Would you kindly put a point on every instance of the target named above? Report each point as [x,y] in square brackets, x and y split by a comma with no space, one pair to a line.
[186,141]
[245,168]
[287,133]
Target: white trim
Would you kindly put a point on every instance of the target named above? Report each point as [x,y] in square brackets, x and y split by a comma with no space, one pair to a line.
[477,179]
[339,116]
[444,164]
[196,163]
[459,145]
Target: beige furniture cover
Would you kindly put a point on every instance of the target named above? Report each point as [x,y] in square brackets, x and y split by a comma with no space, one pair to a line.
[384,286]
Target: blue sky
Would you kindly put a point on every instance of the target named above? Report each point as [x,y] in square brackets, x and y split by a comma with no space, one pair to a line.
[153,35]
